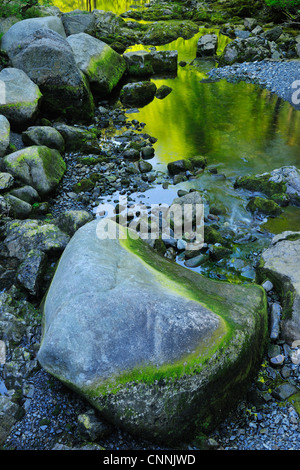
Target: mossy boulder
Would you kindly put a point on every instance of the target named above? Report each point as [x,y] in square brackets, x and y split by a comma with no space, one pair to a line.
[70,221]
[78,138]
[163,32]
[48,60]
[36,166]
[20,104]
[180,166]
[156,348]
[44,135]
[138,94]
[22,236]
[103,66]
[260,205]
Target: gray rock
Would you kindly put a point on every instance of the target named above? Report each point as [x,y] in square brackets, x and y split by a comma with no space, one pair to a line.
[36,166]
[31,270]
[246,50]
[273,34]
[144,167]
[250,23]
[20,102]
[70,221]
[284,391]
[79,22]
[163,91]
[207,45]
[103,66]
[78,138]
[275,317]
[21,236]
[290,176]
[19,31]
[44,135]
[8,417]
[164,62]
[91,428]
[26,193]
[280,263]
[18,208]
[4,132]
[127,335]
[138,63]
[48,60]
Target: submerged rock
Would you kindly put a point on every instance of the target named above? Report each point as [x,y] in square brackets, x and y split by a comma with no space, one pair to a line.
[156,348]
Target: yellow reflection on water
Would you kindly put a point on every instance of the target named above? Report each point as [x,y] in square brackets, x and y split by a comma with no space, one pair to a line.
[116,6]
[244,128]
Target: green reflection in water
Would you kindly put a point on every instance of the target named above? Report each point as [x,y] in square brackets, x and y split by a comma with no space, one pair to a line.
[116,6]
[241,127]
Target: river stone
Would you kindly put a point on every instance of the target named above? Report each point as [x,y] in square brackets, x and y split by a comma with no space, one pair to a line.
[19,97]
[156,348]
[44,135]
[9,412]
[18,208]
[103,66]
[21,236]
[138,94]
[48,60]
[4,132]
[246,50]
[79,22]
[36,166]
[78,138]
[26,193]
[207,45]
[6,181]
[280,264]
[19,31]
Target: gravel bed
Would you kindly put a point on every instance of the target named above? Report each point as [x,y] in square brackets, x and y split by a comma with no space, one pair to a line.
[276,76]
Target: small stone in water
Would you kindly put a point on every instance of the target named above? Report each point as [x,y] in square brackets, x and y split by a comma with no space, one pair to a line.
[277,360]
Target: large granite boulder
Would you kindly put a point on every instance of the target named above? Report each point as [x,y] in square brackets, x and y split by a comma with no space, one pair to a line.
[48,60]
[19,97]
[103,66]
[156,348]
[4,134]
[36,166]
[280,264]
[19,31]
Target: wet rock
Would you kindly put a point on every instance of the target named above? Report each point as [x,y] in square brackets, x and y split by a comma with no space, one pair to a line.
[147,152]
[78,138]
[19,31]
[219,252]
[17,208]
[144,167]
[280,264]
[22,97]
[179,166]
[163,32]
[44,135]
[139,63]
[4,134]
[247,50]
[36,166]
[137,94]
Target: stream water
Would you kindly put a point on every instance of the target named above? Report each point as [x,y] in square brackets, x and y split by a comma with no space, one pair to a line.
[241,128]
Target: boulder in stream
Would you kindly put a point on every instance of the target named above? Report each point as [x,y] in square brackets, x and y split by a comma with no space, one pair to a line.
[158,349]
[138,94]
